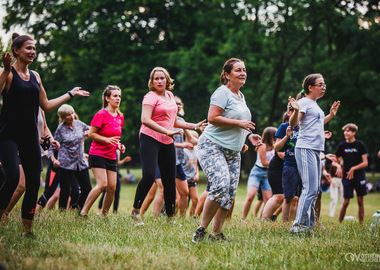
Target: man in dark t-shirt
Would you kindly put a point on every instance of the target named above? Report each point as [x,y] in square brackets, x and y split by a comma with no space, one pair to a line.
[353,153]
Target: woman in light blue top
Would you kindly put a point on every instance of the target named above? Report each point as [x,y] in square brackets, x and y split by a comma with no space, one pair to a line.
[220,145]
[310,142]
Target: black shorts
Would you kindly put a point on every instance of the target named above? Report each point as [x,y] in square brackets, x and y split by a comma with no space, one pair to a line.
[275,175]
[102,162]
[180,174]
[191,183]
[359,184]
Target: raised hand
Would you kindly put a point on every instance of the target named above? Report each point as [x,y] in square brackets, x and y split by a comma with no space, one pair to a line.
[289,131]
[7,60]
[293,105]
[334,108]
[76,91]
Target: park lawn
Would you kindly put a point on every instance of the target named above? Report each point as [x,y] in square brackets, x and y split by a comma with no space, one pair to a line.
[65,241]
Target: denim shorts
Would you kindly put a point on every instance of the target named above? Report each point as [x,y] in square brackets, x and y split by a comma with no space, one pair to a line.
[257,177]
[290,181]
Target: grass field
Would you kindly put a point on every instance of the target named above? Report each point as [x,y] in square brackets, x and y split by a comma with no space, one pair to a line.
[65,241]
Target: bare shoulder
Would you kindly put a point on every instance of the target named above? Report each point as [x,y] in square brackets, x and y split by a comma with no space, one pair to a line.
[37,75]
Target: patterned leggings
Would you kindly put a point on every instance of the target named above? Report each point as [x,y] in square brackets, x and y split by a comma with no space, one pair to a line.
[222,168]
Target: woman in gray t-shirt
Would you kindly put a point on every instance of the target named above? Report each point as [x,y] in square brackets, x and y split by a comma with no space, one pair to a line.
[220,145]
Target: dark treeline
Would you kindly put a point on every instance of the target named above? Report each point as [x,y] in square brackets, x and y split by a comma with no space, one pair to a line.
[96,43]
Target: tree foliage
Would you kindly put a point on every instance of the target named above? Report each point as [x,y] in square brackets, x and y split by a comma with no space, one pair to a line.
[96,43]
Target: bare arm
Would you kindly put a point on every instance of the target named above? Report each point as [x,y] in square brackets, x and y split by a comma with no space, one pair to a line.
[185,125]
[48,105]
[4,73]
[333,112]
[190,137]
[215,117]
[93,134]
[262,154]
[279,144]
[296,116]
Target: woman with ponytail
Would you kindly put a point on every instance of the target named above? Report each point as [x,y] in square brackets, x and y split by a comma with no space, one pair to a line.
[105,131]
[310,142]
[220,144]
[23,93]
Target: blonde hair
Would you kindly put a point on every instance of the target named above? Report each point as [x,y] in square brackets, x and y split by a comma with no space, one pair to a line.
[64,110]
[169,80]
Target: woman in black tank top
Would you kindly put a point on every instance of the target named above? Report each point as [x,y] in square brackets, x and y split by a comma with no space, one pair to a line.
[23,93]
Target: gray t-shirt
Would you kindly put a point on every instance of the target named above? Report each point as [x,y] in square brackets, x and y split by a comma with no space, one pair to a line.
[311,133]
[190,163]
[232,138]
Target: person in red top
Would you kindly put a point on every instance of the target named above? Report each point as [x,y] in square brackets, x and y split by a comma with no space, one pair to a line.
[105,131]
[158,117]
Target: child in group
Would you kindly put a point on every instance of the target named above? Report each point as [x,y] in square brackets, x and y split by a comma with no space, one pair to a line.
[353,153]
[190,167]
[310,142]
[258,175]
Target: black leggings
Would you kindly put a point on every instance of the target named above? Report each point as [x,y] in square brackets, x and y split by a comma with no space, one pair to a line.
[69,181]
[117,195]
[153,153]
[51,183]
[30,156]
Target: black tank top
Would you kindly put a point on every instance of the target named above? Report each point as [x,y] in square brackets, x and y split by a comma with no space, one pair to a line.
[18,119]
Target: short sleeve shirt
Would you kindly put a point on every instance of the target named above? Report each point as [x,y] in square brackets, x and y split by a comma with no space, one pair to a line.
[352,155]
[232,138]
[289,158]
[311,133]
[164,113]
[71,151]
[109,126]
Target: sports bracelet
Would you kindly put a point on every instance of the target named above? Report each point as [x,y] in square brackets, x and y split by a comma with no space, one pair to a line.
[70,94]
[167,133]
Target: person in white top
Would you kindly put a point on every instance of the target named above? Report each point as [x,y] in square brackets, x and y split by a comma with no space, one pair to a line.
[310,143]
[259,173]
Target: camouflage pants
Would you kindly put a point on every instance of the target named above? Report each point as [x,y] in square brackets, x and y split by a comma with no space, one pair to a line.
[222,168]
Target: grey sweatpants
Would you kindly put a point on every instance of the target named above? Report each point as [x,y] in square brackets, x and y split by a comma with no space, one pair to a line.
[309,168]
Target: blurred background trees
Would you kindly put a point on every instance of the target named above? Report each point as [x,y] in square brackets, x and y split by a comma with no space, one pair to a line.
[95,43]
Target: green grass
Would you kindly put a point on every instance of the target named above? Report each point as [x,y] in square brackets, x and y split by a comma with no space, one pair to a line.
[68,242]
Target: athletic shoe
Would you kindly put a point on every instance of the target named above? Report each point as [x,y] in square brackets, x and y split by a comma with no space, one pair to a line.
[199,235]
[137,221]
[218,237]
[321,226]
[273,218]
[82,216]
[29,235]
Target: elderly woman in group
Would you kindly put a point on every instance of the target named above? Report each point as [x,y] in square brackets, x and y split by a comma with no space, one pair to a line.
[73,167]
[220,145]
